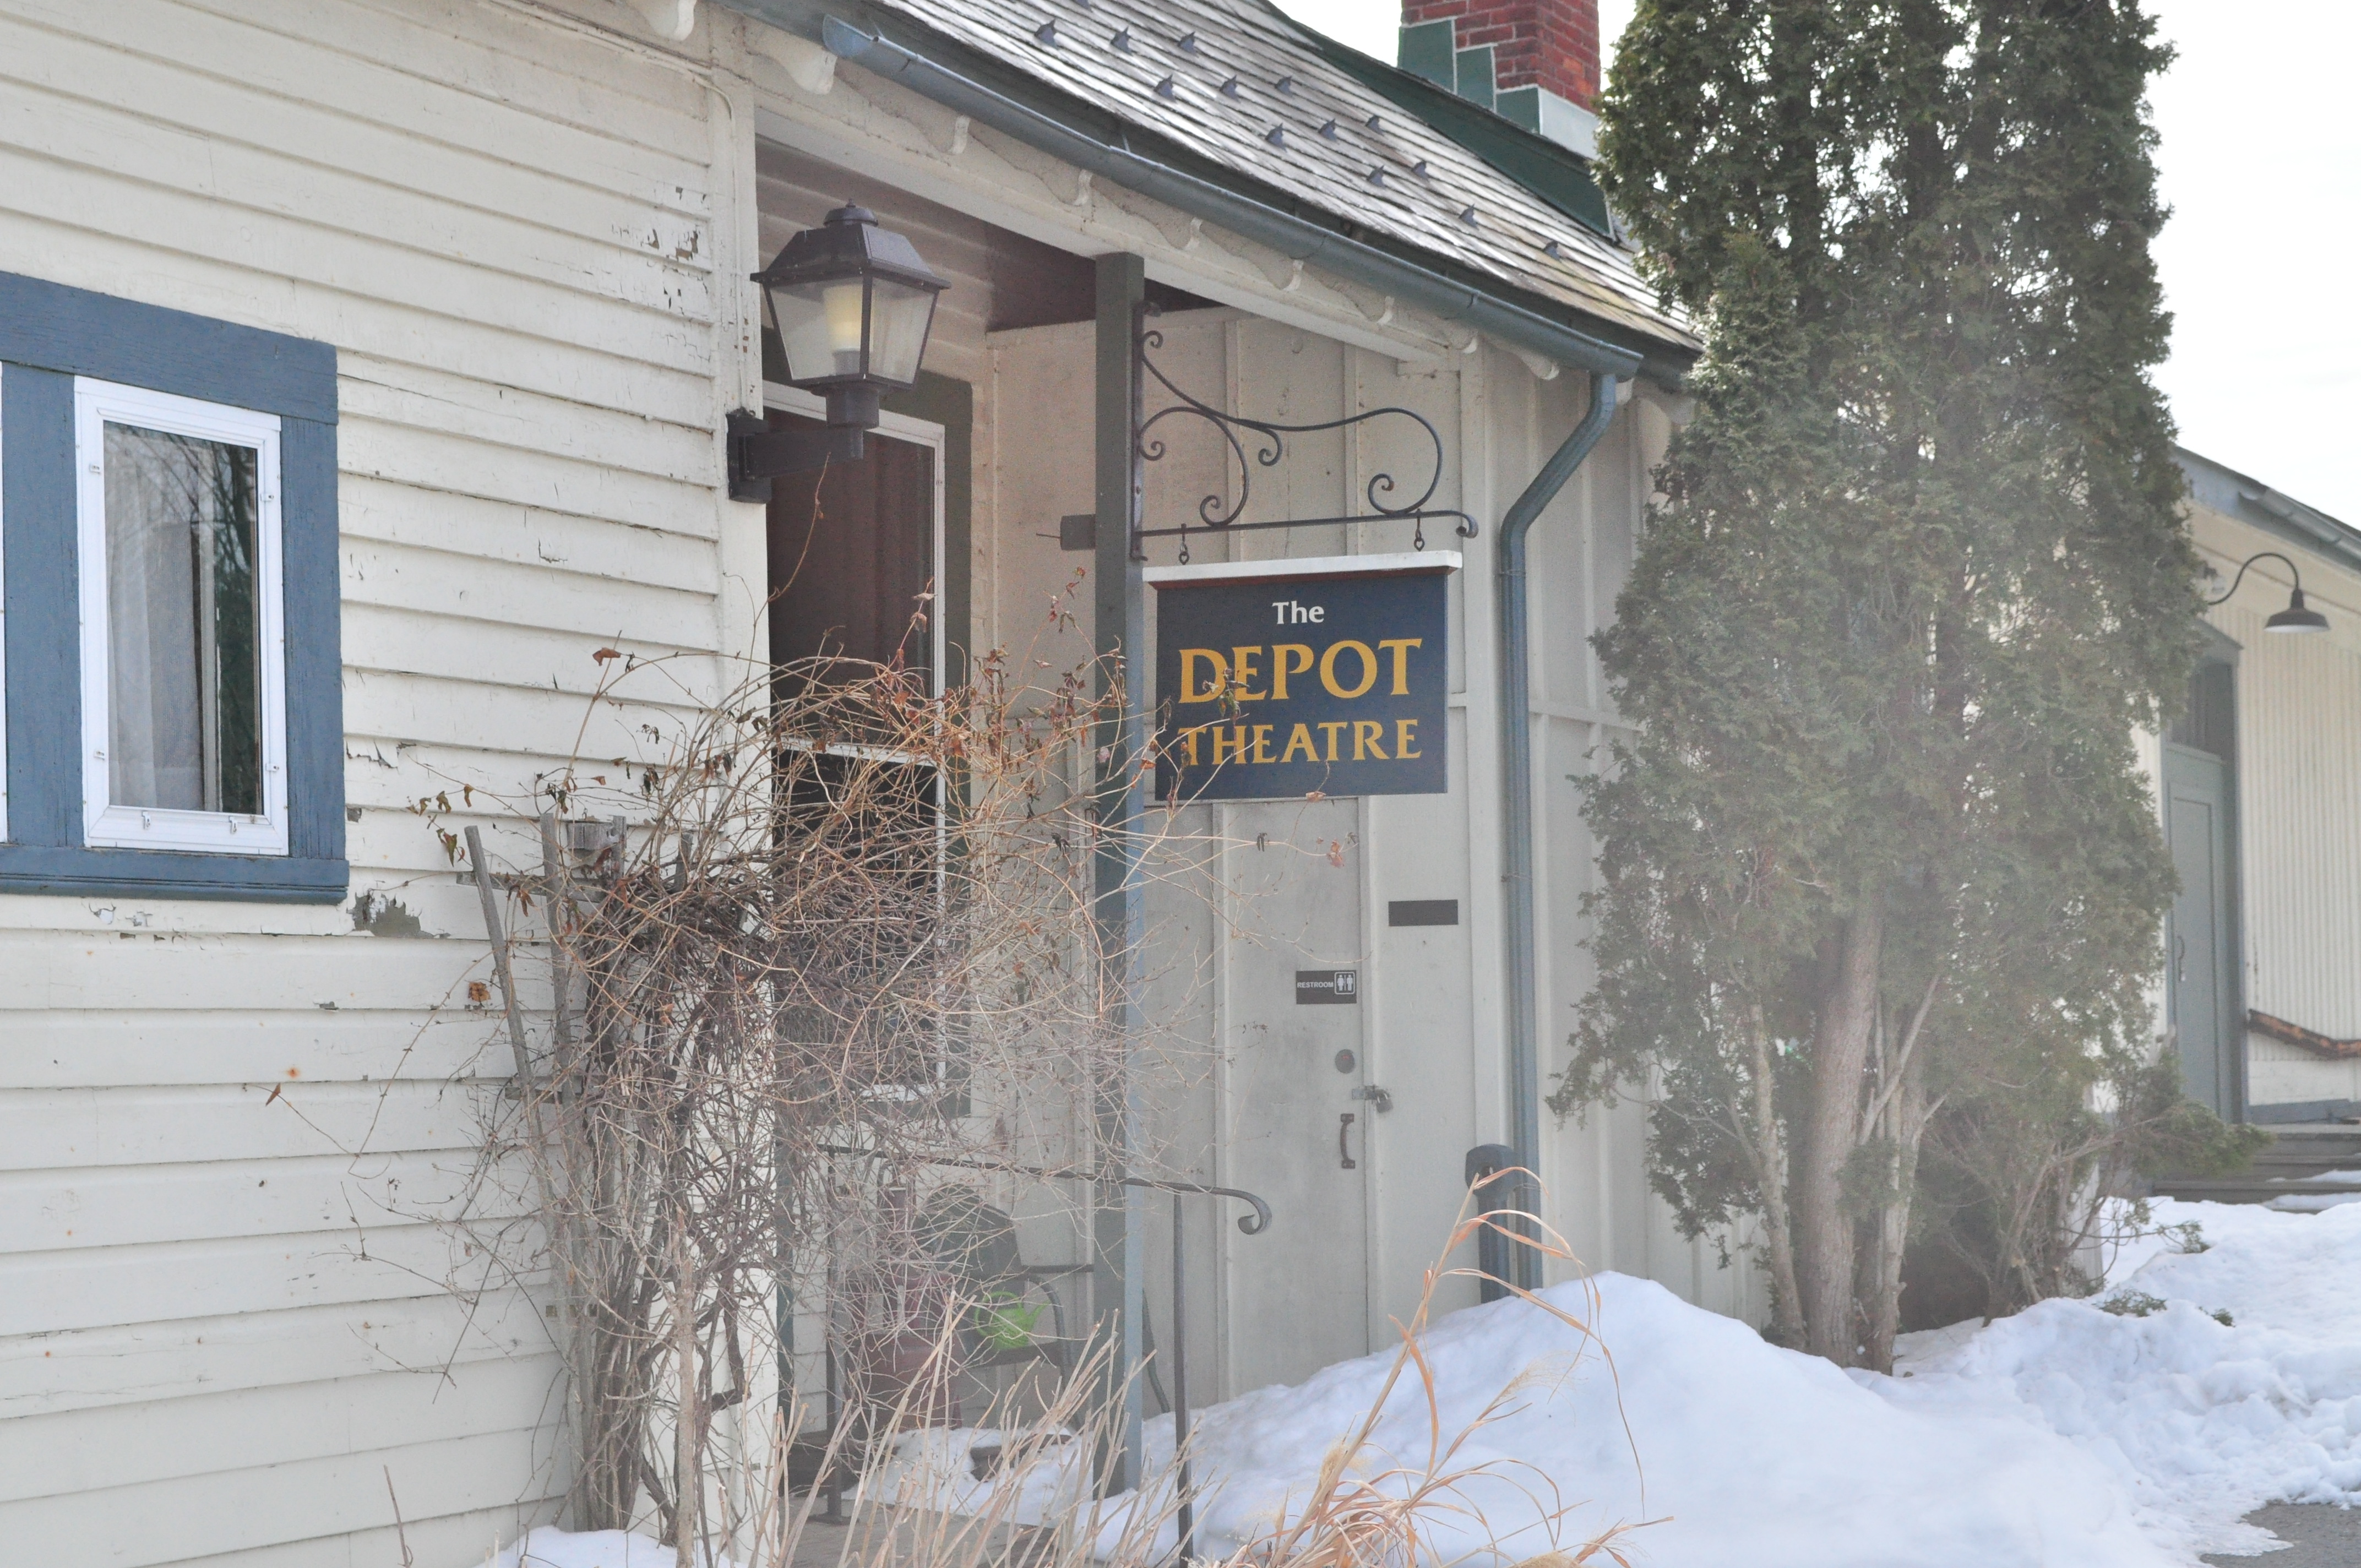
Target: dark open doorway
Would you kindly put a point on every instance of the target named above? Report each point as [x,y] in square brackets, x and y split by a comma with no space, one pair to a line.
[854,561]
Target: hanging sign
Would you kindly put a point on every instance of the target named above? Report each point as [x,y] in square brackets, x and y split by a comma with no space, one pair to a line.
[1301,678]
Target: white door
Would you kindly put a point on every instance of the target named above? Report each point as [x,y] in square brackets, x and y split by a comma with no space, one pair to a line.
[1292,1028]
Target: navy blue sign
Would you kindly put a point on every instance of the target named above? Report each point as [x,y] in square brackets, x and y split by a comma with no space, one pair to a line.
[1297,687]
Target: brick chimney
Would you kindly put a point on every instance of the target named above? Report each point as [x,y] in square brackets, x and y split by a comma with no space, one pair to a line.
[1534,43]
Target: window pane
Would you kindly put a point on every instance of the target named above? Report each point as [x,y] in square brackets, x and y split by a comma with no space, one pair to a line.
[184,655]
[898,335]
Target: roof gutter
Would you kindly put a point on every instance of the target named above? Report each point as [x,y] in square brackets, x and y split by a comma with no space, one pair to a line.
[1295,237]
[1517,790]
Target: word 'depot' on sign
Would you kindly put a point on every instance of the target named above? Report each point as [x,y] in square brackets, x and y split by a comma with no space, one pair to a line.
[1339,687]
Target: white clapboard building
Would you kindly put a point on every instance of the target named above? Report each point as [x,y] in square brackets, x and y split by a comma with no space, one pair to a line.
[366,366]
[2260,790]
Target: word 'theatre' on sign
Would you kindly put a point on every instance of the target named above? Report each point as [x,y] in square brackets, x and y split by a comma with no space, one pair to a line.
[1330,680]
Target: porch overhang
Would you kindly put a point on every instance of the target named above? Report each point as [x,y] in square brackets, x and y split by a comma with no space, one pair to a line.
[1429,285]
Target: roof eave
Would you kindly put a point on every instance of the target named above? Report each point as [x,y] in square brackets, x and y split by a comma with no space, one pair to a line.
[2233,494]
[1020,104]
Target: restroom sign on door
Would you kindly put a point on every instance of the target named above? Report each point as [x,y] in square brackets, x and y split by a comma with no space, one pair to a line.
[1327,987]
[1302,678]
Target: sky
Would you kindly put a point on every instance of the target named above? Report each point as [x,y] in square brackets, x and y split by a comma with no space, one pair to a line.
[2260,160]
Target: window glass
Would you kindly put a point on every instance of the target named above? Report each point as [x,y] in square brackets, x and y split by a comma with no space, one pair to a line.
[184,708]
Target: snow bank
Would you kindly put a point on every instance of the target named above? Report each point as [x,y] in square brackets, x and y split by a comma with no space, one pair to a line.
[548,1547]
[1745,1452]
[2068,1436]
[2200,1421]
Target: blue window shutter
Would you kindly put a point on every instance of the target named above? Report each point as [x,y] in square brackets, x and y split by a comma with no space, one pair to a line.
[315,697]
[49,334]
[44,698]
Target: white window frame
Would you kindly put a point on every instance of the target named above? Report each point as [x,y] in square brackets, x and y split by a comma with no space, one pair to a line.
[930,435]
[104,824]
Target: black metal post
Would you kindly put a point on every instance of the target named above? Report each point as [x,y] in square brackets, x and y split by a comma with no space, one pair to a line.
[1188,1521]
[1492,1254]
[1120,603]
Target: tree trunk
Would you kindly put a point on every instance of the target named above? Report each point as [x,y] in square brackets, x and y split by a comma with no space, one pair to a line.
[1824,1230]
[1902,1124]
[1770,1162]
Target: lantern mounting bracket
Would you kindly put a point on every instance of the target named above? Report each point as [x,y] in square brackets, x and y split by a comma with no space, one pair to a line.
[1214,515]
[759,454]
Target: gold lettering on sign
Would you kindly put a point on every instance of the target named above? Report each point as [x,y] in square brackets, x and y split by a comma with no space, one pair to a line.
[1401,647]
[1332,726]
[1405,732]
[1368,733]
[1262,744]
[1282,666]
[1242,672]
[1188,658]
[1301,738]
[1236,747]
[1328,669]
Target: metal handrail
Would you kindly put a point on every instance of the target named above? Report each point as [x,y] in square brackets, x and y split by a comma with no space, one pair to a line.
[1251,1224]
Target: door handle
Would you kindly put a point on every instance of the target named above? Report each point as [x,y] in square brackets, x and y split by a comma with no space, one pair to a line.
[2180,960]
[1344,1156]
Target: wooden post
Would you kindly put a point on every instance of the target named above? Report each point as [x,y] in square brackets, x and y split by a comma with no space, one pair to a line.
[488,895]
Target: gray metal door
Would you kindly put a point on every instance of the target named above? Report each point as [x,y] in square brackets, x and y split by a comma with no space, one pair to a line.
[2202,964]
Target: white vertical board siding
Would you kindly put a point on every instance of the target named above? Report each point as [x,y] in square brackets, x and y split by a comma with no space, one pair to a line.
[227,1324]
[1427,1029]
[1581,551]
[2298,774]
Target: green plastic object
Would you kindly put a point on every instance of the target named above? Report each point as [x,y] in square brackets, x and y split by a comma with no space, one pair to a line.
[1004,1323]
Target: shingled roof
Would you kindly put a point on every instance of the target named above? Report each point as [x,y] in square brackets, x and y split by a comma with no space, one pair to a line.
[1239,84]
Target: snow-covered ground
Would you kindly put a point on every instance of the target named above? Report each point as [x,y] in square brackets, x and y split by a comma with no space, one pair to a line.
[2066,1436]
[551,1548]
[2069,1436]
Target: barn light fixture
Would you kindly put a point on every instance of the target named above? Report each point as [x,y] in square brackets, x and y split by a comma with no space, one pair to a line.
[2296,617]
[853,304]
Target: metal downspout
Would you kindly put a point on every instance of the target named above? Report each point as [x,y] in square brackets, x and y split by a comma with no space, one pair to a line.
[1517,783]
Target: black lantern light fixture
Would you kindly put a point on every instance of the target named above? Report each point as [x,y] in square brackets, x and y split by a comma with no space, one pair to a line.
[2296,617]
[853,304]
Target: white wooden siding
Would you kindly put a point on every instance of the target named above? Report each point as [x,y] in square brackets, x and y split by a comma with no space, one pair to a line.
[1431,1028]
[227,1132]
[2299,705]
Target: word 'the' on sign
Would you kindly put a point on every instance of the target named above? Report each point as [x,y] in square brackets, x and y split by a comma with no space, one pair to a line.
[1332,681]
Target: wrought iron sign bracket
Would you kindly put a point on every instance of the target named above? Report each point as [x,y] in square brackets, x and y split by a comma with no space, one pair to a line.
[1268,439]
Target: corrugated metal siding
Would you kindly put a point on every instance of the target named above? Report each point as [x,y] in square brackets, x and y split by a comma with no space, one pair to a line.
[2299,809]
[226,1329]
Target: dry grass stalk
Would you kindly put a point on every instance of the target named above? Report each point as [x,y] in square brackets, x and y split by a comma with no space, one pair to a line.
[1365,1509]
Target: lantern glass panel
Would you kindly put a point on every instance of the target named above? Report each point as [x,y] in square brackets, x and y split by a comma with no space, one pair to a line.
[900,314]
[820,328]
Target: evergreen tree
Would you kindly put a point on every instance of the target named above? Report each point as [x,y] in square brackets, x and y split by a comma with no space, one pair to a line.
[1880,845]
